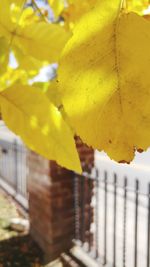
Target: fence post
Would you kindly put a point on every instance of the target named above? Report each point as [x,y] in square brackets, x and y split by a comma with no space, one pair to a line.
[148,229]
[97,182]
[136,221]
[77,207]
[82,204]
[115,220]
[16,165]
[90,212]
[124,221]
[105,218]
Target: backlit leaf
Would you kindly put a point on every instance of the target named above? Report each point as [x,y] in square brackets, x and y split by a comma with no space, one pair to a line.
[104,80]
[29,113]
[76,9]
[137,5]
[37,39]
[53,93]
[57,6]
[6,25]
[4,54]
[11,76]
[29,63]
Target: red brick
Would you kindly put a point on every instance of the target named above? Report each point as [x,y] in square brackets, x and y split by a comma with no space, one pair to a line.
[51,201]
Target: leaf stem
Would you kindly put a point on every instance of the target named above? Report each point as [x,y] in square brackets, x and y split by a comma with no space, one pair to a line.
[39,10]
[123,4]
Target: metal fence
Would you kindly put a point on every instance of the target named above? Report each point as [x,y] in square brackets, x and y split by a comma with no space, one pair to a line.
[13,169]
[112,220]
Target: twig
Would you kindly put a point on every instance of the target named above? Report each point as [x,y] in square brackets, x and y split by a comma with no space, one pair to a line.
[39,10]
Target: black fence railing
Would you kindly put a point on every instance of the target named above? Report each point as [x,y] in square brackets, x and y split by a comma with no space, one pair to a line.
[112,220]
[13,169]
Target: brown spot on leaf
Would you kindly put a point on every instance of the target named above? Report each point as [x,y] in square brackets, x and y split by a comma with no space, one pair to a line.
[124,162]
[140,150]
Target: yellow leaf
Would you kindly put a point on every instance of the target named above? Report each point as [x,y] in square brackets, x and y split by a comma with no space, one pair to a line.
[26,62]
[6,25]
[29,113]
[53,94]
[10,76]
[22,16]
[137,5]
[57,6]
[39,40]
[4,54]
[42,86]
[17,2]
[104,80]
[76,9]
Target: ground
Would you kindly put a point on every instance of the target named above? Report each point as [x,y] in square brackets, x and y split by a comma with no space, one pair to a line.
[16,249]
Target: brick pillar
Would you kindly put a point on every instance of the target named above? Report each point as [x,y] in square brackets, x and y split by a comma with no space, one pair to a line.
[86,155]
[87,160]
[51,202]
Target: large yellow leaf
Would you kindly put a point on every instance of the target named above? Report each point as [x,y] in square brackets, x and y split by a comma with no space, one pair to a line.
[28,113]
[104,80]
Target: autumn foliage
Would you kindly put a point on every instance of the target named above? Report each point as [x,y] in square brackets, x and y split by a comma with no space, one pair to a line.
[102,87]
